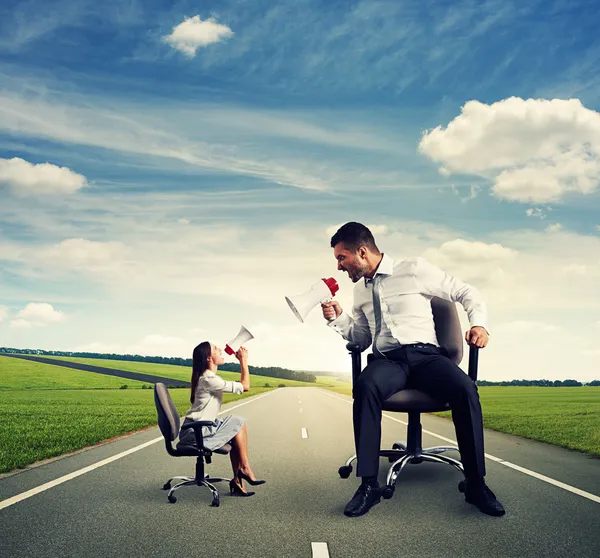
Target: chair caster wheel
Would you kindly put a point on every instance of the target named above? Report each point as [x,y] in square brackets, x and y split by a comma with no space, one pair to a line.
[216,502]
[398,446]
[167,486]
[344,471]
[387,491]
[462,485]
[172,499]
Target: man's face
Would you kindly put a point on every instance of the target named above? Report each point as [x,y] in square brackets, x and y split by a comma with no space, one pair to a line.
[353,263]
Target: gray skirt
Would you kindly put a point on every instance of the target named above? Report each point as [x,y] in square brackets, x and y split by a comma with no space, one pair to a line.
[214,436]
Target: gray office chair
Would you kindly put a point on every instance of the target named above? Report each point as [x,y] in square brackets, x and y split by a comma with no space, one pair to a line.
[169,423]
[414,402]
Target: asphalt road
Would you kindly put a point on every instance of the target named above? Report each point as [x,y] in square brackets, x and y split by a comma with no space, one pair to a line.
[119,509]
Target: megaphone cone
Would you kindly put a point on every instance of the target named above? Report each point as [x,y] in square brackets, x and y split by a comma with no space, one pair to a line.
[322,291]
[233,346]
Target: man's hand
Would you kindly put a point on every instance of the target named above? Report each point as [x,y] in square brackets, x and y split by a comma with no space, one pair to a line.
[331,310]
[477,336]
[242,355]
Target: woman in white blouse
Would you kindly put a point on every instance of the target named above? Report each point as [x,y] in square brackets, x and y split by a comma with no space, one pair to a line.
[206,398]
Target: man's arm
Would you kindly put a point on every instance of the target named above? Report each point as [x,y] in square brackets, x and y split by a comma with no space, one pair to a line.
[354,329]
[436,282]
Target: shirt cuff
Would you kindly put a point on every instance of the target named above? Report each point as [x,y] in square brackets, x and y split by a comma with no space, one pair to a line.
[342,323]
[238,388]
[479,320]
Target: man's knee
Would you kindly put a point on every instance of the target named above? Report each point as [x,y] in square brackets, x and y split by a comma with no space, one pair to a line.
[465,392]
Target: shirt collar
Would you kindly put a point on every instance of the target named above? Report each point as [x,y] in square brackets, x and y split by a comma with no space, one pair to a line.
[386,267]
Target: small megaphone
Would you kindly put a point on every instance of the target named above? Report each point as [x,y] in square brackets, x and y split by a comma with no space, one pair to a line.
[322,291]
[233,346]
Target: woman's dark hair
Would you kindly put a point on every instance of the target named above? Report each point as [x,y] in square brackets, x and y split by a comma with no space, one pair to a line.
[200,358]
[353,236]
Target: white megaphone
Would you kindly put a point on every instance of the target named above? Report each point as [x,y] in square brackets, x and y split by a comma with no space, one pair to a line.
[233,346]
[320,292]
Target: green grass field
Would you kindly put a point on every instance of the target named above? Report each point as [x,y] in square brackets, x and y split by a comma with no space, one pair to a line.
[37,424]
[182,372]
[564,416]
[51,410]
[25,374]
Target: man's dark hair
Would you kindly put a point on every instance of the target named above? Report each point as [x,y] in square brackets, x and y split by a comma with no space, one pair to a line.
[353,236]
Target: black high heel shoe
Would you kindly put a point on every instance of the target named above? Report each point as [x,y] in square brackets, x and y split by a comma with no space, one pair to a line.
[235,490]
[248,479]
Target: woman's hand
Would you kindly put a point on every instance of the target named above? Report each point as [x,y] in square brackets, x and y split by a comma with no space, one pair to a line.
[242,355]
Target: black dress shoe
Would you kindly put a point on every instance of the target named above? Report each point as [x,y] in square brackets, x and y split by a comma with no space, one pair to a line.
[363,500]
[248,479]
[237,490]
[481,496]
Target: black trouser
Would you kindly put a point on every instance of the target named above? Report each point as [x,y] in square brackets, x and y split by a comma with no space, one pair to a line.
[428,369]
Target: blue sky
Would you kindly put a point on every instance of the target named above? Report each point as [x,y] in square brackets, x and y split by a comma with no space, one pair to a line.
[169,171]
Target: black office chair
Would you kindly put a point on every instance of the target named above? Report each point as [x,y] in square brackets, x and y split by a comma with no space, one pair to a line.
[415,402]
[169,423]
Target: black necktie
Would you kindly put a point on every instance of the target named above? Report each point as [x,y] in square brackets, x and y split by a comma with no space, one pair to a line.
[377,311]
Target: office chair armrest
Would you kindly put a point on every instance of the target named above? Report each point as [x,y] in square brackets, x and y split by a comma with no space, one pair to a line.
[473,361]
[197,426]
[355,352]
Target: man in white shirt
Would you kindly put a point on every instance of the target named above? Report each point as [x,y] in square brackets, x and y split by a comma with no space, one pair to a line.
[392,311]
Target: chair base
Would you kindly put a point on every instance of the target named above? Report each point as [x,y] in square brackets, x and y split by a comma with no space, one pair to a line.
[189,481]
[400,456]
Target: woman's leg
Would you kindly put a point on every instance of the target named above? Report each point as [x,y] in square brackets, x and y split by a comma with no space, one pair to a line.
[240,449]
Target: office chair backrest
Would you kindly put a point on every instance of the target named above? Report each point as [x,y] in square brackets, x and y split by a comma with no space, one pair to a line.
[447,327]
[168,417]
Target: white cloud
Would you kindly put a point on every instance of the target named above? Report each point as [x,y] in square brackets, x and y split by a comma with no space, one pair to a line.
[80,253]
[157,344]
[539,212]
[525,326]
[25,178]
[533,150]
[193,33]
[554,228]
[375,229]
[462,250]
[576,269]
[136,132]
[151,345]
[37,314]
[473,192]
[3,313]
[479,263]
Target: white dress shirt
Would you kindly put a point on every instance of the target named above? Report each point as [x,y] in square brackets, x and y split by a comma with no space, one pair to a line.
[209,396]
[406,289]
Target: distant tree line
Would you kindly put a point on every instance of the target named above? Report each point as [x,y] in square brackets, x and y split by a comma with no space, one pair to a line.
[540,383]
[272,371]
